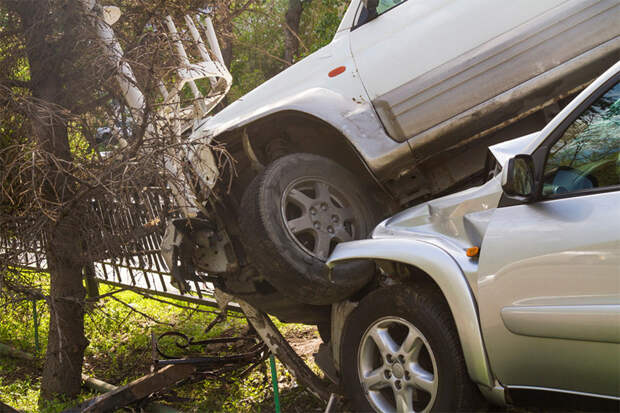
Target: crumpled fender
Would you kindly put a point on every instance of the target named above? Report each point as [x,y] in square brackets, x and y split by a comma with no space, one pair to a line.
[355,118]
[444,270]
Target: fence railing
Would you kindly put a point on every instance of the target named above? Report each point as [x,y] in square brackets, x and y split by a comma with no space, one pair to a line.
[136,225]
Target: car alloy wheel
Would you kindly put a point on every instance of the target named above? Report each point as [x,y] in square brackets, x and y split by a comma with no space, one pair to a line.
[318,216]
[397,367]
[400,352]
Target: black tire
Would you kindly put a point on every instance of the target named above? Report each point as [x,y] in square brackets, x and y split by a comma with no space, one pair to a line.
[279,255]
[425,311]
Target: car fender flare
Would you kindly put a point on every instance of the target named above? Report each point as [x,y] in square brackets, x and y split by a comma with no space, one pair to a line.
[354,118]
[445,271]
[324,104]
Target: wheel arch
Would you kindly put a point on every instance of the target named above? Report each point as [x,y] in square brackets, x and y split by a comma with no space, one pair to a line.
[294,131]
[443,270]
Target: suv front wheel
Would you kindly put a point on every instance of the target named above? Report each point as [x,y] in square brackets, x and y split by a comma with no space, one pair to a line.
[294,214]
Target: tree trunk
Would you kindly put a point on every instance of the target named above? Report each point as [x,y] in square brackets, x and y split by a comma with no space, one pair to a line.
[291,31]
[66,342]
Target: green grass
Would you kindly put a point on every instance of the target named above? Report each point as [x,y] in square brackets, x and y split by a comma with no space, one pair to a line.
[120,351]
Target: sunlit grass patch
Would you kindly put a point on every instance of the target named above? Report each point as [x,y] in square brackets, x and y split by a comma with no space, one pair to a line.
[120,352]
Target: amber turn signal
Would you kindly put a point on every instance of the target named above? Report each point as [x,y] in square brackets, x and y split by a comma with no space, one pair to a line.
[473,252]
[337,71]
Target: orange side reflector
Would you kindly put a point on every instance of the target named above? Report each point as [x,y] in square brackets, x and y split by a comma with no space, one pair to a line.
[337,71]
[473,252]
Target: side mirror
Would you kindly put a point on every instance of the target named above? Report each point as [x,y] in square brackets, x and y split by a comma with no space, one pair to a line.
[371,6]
[518,179]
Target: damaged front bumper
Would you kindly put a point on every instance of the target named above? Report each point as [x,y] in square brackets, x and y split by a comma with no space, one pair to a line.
[193,244]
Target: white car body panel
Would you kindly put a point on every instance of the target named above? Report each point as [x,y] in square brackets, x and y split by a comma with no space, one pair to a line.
[384,68]
[539,264]
[435,77]
[420,83]
[549,280]
[306,88]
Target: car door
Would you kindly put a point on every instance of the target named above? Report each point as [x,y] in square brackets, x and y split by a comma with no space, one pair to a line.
[549,271]
[425,61]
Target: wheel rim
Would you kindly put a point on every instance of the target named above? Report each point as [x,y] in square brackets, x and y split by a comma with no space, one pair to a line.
[397,367]
[317,216]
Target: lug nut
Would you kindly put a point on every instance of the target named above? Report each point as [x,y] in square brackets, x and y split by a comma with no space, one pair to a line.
[401,358]
[317,225]
[313,211]
[407,375]
[389,358]
[335,219]
[330,230]
[398,385]
[324,206]
[388,374]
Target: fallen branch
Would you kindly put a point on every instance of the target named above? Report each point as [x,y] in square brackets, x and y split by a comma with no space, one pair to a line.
[12,352]
[138,390]
[103,387]
[283,351]
[97,385]
[7,409]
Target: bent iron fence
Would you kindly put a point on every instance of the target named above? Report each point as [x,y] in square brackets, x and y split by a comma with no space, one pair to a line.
[135,227]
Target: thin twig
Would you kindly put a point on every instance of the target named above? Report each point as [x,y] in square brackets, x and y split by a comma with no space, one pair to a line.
[141,313]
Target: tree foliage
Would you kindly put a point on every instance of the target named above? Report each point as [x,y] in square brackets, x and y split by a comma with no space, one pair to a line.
[258,39]
[58,90]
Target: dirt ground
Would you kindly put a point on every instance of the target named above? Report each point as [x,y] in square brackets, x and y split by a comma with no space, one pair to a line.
[305,342]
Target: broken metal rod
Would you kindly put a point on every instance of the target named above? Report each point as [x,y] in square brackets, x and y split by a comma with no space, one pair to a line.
[274,381]
[284,352]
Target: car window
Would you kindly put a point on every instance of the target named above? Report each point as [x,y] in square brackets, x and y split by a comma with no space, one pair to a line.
[385,5]
[382,7]
[587,156]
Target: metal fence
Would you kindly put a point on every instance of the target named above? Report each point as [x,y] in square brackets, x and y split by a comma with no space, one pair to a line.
[137,222]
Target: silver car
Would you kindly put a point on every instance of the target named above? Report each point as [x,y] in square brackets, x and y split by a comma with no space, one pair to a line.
[513,285]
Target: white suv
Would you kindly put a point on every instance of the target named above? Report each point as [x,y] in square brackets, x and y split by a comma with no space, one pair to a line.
[400,107]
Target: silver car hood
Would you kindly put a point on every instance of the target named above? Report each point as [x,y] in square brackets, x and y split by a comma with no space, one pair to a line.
[455,221]
[458,220]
